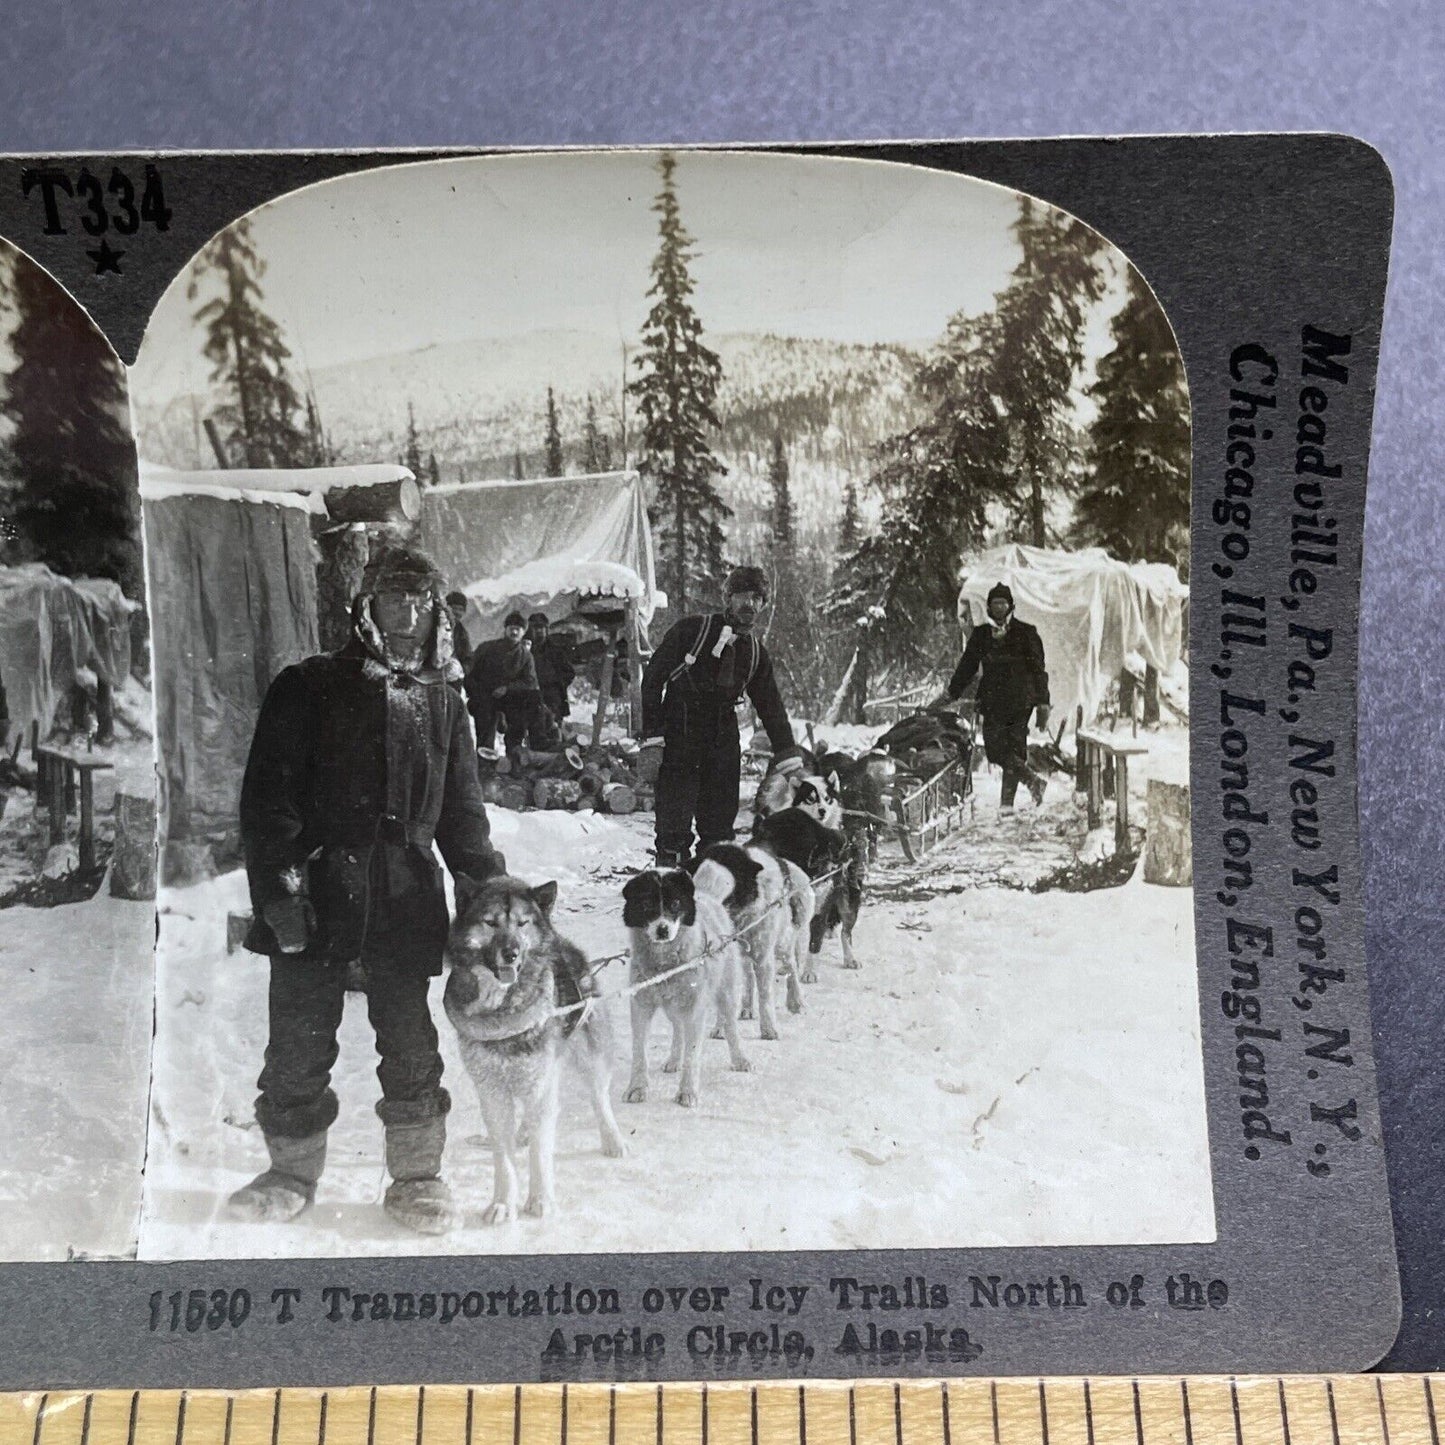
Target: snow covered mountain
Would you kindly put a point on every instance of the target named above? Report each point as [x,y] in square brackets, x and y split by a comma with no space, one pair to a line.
[479,403]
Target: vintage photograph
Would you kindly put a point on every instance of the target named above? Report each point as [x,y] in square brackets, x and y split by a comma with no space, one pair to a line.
[77,784]
[672,719]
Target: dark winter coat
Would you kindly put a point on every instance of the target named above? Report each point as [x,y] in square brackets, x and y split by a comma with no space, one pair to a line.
[1014,680]
[670,684]
[353,773]
[555,672]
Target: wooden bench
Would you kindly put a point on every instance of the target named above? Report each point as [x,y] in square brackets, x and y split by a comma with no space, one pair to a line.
[1095,748]
[61,774]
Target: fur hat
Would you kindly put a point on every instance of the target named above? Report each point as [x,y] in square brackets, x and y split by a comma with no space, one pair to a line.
[457,600]
[1001,589]
[514,619]
[394,568]
[537,617]
[746,579]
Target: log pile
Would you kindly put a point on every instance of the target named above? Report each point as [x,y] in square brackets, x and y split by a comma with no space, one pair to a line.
[578,779]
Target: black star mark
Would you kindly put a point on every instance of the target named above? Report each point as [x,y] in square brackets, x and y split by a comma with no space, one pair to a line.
[107,261]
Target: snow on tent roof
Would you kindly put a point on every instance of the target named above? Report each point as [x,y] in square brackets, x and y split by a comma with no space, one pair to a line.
[1091,611]
[541,545]
[50,626]
[304,487]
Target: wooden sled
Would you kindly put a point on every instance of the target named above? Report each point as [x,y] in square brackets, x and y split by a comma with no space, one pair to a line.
[932,811]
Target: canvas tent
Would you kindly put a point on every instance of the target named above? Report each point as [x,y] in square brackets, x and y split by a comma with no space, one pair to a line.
[50,627]
[543,546]
[1091,612]
[232,565]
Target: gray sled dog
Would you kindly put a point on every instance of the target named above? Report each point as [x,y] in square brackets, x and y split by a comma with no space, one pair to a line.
[770,902]
[673,925]
[509,972]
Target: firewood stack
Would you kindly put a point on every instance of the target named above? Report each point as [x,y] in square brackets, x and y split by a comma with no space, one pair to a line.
[574,778]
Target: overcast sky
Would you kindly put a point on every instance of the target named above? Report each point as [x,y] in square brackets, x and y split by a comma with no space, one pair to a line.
[494,246]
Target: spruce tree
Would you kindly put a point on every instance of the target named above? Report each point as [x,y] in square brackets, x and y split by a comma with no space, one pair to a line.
[1134,499]
[517,473]
[433,471]
[998,391]
[553,439]
[1038,348]
[76,501]
[249,359]
[783,518]
[850,525]
[676,393]
[411,452]
[596,448]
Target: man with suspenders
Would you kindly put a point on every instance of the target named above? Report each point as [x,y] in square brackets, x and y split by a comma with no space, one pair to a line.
[700,674]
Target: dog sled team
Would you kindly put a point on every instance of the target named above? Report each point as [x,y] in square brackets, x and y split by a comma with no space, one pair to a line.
[363,759]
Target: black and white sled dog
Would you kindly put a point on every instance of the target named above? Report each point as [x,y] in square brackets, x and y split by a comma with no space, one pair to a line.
[674,927]
[510,971]
[770,903]
[835,861]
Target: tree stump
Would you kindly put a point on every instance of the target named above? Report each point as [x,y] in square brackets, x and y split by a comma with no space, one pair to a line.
[1168,857]
[618,798]
[133,863]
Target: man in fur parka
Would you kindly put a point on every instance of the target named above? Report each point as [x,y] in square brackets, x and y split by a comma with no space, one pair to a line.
[361,760]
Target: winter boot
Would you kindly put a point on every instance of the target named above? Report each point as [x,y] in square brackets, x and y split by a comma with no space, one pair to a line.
[418,1197]
[671,858]
[287,1187]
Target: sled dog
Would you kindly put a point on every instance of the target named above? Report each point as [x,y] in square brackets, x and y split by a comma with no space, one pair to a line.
[509,971]
[835,861]
[770,903]
[673,925]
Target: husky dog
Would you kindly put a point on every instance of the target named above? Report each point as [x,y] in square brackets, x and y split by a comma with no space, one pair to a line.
[835,861]
[509,973]
[770,903]
[672,925]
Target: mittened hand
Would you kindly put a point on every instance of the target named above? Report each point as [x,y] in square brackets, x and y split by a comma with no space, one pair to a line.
[1041,717]
[293,922]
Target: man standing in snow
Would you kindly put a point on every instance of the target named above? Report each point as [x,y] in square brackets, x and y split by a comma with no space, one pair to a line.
[361,759]
[503,681]
[551,656]
[701,671]
[1014,683]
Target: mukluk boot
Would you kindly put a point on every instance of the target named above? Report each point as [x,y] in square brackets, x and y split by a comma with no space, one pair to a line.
[287,1187]
[418,1197]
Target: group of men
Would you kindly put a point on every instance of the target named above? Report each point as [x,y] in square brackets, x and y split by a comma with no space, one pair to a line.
[519,680]
[363,759]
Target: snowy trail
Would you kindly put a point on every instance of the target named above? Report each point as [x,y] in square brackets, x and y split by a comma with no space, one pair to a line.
[1006,1068]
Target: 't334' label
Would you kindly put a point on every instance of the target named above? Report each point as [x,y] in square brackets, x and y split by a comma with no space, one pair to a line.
[117,205]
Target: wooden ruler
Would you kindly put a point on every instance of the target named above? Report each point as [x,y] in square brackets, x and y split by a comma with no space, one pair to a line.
[1197,1410]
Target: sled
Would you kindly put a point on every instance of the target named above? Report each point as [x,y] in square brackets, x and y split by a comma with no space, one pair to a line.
[933,811]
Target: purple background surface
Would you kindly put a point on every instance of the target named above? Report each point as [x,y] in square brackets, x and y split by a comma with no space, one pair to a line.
[92,74]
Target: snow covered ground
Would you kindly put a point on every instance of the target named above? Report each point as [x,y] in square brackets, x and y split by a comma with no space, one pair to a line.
[79,997]
[79,993]
[1008,1068]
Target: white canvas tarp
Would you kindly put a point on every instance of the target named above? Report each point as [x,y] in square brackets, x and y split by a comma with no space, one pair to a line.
[1091,612]
[538,546]
[51,626]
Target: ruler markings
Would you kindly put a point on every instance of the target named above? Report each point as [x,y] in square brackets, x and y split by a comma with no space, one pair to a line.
[660,1419]
[1184,1406]
[1430,1411]
[993,1405]
[803,1416]
[1089,1412]
[1384,1418]
[1043,1414]
[1334,1414]
[943,1407]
